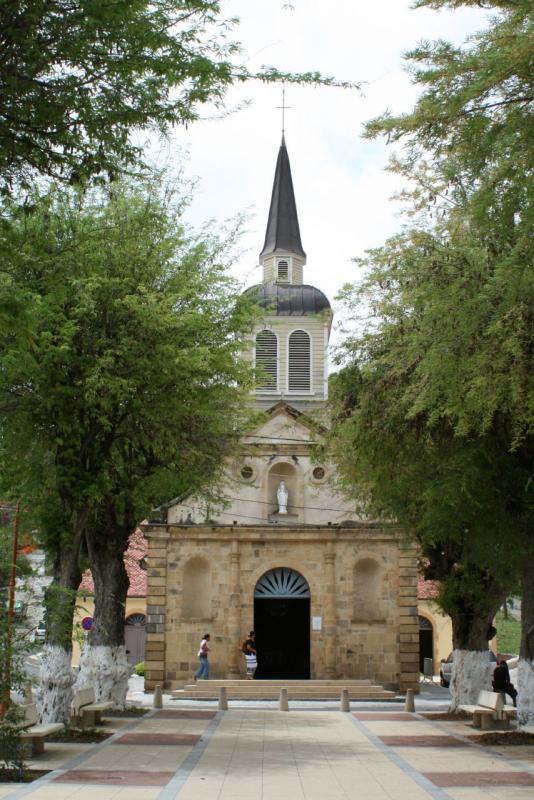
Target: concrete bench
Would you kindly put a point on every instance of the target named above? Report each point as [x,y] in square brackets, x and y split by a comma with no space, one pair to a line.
[490,711]
[33,732]
[83,709]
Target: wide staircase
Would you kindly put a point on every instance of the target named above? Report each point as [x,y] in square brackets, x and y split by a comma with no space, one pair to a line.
[270,690]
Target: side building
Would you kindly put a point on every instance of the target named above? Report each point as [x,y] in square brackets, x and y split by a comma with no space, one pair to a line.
[330,595]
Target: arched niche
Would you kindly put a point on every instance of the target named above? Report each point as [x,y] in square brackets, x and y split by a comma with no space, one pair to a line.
[196,589]
[368,601]
[283,471]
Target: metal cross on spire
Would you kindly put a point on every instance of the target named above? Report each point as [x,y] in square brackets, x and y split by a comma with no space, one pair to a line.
[283,107]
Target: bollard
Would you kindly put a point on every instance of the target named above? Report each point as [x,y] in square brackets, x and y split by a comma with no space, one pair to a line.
[344,701]
[158,698]
[410,702]
[223,700]
[284,705]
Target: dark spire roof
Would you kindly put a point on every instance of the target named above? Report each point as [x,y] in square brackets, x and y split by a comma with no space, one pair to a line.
[283,225]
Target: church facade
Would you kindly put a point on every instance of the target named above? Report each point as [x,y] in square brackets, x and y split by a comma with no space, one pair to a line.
[330,595]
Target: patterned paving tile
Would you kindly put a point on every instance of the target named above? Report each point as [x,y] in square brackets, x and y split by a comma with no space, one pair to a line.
[184,713]
[115,777]
[489,778]
[189,739]
[422,741]
[400,716]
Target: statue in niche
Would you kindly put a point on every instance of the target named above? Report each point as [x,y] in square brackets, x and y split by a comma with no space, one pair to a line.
[282,497]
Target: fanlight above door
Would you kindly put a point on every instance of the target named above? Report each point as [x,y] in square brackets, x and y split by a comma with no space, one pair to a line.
[282,583]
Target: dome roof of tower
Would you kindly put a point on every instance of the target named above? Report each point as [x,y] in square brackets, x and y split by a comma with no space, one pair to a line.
[289,300]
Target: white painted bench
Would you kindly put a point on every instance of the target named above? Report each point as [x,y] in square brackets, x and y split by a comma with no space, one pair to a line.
[35,733]
[83,709]
[489,711]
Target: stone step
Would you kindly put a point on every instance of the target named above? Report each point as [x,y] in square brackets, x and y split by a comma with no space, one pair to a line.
[343,684]
[297,690]
[181,694]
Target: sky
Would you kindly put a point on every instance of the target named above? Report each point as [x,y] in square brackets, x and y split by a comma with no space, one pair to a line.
[342,190]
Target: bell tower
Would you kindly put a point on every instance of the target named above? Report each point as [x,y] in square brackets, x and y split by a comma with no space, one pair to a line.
[290,349]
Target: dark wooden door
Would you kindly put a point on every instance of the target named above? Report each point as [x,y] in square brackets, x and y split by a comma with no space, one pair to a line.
[134,637]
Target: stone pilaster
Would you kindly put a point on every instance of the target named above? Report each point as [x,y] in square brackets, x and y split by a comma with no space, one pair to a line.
[330,617]
[234,612]
[408,619]
[156,606]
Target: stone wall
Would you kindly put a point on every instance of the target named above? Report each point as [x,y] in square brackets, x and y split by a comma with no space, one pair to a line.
[363,585]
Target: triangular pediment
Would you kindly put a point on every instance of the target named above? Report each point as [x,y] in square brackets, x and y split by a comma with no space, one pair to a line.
[283,422]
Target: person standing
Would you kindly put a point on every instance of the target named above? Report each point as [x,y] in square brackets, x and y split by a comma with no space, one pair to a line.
[204,669]
[251,655]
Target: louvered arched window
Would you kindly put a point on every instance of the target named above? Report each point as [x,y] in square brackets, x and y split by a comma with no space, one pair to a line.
[267,361]
[299,366]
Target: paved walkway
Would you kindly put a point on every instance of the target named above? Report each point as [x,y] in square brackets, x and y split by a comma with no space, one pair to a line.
[258,754]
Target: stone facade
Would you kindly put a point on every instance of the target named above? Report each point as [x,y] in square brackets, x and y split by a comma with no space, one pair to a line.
[220,567]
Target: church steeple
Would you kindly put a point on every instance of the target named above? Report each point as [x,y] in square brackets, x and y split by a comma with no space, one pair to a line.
[282,236]
[290,344]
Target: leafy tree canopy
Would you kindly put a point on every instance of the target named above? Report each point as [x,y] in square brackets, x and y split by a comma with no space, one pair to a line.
[475,110]
[465,500]
[130,389]
[77,76]
[434,410]
[462,277]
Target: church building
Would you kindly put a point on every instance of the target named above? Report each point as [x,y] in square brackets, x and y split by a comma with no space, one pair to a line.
[330,595]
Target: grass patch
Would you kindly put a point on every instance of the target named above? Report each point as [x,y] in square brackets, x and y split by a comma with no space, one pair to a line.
[508,634]
[16,776]
[447,716]
[130,711]
[504,738]
[85,735]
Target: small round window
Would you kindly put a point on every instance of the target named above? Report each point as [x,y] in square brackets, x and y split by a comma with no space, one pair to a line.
[318,473]
[247,473]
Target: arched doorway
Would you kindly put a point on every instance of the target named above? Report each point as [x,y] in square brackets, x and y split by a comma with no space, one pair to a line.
[134,637]
[282,625]
[426,641]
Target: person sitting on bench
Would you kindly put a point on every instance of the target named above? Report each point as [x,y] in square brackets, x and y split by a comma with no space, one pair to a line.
[501,681]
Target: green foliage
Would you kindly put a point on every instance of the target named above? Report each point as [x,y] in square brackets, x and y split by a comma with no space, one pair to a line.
[77,76]
[508,634]
[469,151]
[11,745]
[128,389]
[15,638]
[15,645]
[139,669]
[434,410]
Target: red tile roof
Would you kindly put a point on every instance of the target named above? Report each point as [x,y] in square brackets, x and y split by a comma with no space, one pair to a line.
[137,550]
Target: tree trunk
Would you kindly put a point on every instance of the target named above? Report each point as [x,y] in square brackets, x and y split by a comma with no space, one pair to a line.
[103,663]
[525,687]
[56,677]
[472,670]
